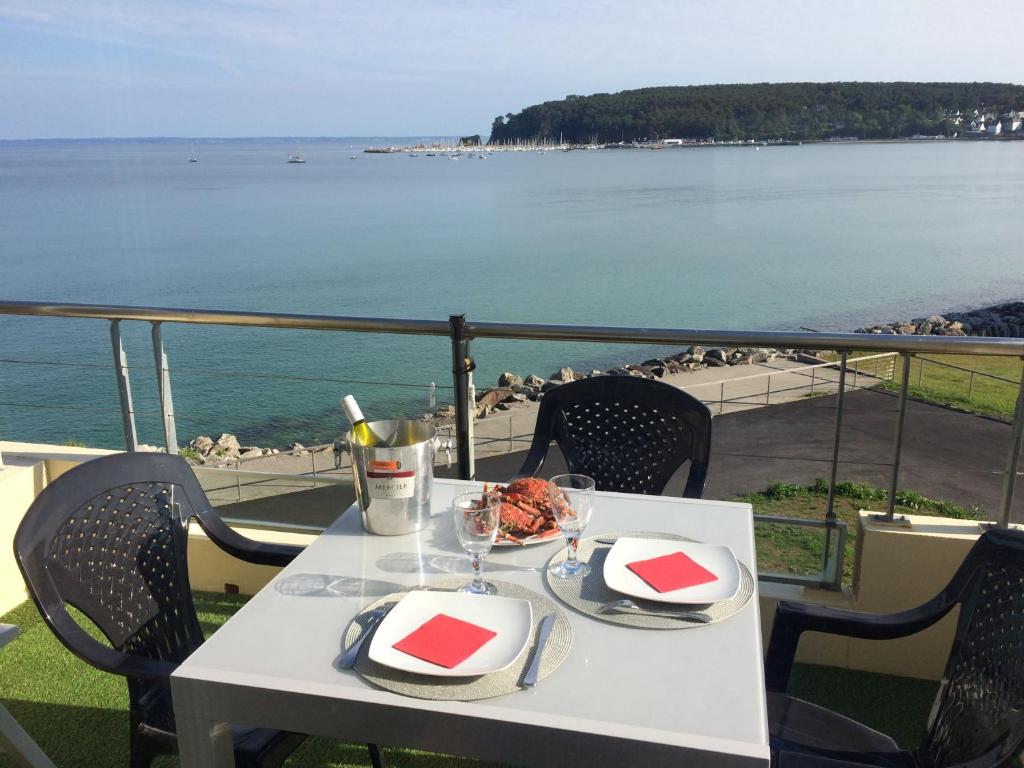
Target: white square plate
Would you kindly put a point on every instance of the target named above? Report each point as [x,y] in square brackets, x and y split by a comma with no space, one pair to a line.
[511,618]
[719,560]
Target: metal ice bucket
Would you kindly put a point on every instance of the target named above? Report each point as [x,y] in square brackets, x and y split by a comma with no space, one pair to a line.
[393,483]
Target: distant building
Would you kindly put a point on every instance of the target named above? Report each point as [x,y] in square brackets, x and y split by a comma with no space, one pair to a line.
[672,142]
[994,129]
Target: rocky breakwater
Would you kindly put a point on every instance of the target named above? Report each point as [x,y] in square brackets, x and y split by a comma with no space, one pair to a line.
[224,451]
[516,391]
[1000,320]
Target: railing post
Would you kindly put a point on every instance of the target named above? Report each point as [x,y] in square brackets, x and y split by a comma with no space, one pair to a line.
[856,372]
[163,383]
[471,421]
[890,512]
[462,364]
[1013,459]
[721,399]
[511,436]
[768,394]
[970,386]
[920,371]
[813,371]
[124,388]
[830,512]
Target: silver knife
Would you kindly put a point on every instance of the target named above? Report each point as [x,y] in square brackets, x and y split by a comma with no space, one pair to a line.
[530,678]
[375,617]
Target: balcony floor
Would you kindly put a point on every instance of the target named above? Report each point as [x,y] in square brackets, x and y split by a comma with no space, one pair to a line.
[79,715]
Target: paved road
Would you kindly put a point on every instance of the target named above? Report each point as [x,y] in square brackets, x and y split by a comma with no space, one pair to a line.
[946,455]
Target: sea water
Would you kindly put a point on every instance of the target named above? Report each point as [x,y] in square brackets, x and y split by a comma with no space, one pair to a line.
[822,236]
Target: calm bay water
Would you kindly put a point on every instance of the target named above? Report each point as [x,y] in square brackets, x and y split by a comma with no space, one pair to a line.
[825,236]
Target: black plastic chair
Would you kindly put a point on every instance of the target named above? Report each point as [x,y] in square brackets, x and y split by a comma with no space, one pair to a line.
[629,434]
[977,719]
[109,537]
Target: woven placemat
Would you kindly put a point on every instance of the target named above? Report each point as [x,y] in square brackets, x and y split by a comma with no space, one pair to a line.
[586,594]
[469,688]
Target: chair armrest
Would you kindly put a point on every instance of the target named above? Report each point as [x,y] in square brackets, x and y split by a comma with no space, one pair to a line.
[237,545]
[793,619]
[90,650]
[805,760]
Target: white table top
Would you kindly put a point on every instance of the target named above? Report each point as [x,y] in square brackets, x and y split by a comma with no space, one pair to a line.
[697,689]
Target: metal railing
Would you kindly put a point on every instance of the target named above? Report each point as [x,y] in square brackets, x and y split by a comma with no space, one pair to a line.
[462,332]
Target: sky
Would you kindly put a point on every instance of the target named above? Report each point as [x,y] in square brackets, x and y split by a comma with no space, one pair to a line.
[112,68]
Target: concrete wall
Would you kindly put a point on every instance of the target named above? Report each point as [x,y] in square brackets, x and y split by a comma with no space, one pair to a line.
[18,487]
[897,568]
[211,569]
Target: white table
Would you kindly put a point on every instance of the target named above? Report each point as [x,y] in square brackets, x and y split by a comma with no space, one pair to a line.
[624,696]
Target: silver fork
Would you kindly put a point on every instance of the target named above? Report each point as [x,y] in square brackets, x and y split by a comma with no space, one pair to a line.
[628,606]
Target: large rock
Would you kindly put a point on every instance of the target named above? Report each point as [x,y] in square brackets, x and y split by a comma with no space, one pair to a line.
[534,381]
[202,445]
[509,379]
[720,355]
[492,397]
[563,375]
[227,444]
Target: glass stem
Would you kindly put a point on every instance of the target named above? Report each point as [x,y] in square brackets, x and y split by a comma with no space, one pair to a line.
[478,573]
[573,541]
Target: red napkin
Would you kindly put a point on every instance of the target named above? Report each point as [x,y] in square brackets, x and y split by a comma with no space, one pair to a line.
[670,572]
[445,641]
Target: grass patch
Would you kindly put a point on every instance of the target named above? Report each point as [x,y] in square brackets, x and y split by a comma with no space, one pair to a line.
[799,550]
[896,706]
[951,386]
[79,715]
[189,454]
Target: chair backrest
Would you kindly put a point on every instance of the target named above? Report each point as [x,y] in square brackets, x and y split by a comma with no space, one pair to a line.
[630,434]
[109,537]
[978,716]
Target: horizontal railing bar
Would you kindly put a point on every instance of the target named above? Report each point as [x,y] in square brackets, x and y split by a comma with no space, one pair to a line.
[227,317]
[957,345]
[932,361]
[259,477]
[234,374]
[801,371]
[251,375]
[71,407]
[54,362]
[802,521]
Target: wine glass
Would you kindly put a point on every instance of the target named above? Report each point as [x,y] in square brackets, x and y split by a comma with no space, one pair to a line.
[572,501]
[477,516]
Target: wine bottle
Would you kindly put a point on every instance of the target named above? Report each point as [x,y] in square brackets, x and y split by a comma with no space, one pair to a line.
[361,432]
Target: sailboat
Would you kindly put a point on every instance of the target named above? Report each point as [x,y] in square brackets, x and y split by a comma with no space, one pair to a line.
[192,154]
[296,156]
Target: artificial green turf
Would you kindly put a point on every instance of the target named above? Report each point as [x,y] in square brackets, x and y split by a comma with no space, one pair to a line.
[79,715]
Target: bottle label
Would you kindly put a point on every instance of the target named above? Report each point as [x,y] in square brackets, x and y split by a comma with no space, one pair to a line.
[391,485]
